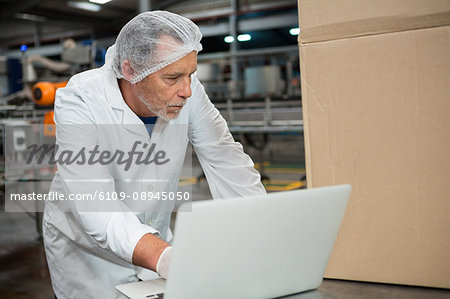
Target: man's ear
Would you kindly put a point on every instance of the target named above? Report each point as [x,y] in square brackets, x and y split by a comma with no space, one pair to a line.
[127,70]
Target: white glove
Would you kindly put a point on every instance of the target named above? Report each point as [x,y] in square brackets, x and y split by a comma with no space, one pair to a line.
[162,267]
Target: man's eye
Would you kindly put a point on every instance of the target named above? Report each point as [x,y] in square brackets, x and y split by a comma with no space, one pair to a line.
[171,80]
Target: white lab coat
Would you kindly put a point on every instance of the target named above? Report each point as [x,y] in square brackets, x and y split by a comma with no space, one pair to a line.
[89,253]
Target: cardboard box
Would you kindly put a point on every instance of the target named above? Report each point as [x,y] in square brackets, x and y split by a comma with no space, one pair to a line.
[322,20]
[376,110]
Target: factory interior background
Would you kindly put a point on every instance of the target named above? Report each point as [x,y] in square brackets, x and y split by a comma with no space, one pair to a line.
[249,67]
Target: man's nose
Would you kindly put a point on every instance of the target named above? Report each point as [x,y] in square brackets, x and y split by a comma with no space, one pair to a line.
[185,89]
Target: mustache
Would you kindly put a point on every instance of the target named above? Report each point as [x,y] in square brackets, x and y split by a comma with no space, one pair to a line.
[182,103]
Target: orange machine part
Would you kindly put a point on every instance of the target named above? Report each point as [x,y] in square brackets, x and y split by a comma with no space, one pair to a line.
[49,124]
[44,92]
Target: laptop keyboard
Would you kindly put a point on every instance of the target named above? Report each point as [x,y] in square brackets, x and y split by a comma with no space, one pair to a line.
[155,296]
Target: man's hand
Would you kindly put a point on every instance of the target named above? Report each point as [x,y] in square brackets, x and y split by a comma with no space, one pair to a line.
[162,268]
[148,253]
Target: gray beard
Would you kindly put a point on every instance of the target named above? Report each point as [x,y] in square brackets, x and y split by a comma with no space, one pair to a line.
[159,112]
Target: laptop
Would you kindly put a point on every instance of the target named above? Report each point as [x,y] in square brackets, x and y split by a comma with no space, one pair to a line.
[263,246]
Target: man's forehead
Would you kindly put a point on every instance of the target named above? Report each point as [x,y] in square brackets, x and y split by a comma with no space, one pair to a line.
[186,64]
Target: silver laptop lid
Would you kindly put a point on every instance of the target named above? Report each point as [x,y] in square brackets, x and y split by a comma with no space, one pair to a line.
[256,247]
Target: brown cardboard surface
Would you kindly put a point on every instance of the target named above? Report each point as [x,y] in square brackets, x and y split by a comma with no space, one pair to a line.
[322,20]
[377,116]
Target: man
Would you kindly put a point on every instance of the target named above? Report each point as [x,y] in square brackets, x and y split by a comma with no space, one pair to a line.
[149,73]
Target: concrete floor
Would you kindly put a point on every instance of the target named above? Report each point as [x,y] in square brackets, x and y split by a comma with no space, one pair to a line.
[24,272]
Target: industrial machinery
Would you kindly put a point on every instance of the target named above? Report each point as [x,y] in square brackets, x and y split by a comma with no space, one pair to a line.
[265,106]
[43,93]
[27,120]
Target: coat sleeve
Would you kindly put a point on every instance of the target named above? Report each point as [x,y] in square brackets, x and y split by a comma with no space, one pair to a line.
[229,171]
[111,224]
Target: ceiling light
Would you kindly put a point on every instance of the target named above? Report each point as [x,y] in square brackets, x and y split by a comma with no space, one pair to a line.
[84,5]
[294,31]
[244,37]
[229,39]
[99,1]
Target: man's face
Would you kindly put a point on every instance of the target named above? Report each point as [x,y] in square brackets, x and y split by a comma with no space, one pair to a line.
[165,92]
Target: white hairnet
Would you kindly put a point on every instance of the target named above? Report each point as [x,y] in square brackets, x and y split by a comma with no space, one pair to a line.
[151,41]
